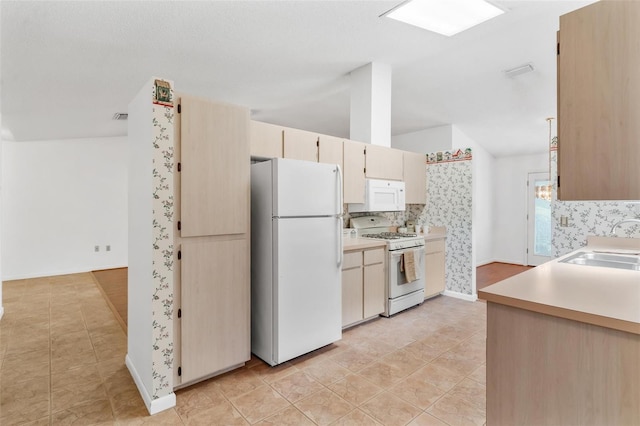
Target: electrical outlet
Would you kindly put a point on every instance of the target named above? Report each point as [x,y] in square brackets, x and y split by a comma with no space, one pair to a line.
[108,248]
[96,249]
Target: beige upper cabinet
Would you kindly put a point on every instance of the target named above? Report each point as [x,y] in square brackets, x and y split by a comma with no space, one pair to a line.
[415,177]
[215,180]
[598,102]
[330,150]
[353,171]
[384,163]
[265,140]
[300,144]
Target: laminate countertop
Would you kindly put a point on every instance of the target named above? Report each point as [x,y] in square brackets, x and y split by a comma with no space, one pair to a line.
[349,243]
[606,297]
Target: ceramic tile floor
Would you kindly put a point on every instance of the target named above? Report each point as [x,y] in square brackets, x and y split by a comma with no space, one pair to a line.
[62,362]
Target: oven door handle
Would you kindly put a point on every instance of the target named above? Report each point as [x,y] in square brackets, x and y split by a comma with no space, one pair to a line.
[398,253]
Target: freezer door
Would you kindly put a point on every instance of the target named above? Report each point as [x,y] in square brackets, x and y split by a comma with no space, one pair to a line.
[304,188]
[308,285]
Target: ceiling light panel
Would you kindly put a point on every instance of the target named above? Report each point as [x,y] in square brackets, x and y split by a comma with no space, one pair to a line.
[447,17]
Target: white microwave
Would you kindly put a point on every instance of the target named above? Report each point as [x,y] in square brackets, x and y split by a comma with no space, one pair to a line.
[381,196]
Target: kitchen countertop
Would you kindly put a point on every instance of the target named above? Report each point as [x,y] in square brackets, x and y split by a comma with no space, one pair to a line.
[606,297]
[349,243]
[366,243]
[437,235]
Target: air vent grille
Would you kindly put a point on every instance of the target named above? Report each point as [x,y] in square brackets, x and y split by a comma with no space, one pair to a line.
[120,116]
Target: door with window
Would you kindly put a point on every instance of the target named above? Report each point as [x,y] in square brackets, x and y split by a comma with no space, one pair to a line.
[538,218]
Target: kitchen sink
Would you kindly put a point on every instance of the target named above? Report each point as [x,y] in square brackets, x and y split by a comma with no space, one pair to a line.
[607,260]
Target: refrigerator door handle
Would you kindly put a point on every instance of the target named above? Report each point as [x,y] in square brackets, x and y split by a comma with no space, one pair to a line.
[339,215]
[340,247]
[339,191]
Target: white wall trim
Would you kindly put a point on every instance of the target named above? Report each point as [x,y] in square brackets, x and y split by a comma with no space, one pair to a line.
[486,262]
[153,406]
[510,261]
[468,297]
[1,311]
[59,272]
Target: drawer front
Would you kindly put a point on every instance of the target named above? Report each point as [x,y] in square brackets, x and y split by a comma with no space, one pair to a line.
[373,256]
[434,246]
[352,260]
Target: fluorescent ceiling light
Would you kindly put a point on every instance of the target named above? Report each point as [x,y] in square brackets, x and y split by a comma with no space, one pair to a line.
[447,17]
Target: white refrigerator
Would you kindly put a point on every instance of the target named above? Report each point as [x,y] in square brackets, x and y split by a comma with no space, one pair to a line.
[296,258]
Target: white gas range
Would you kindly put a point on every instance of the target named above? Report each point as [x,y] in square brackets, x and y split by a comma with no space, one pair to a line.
[405,262]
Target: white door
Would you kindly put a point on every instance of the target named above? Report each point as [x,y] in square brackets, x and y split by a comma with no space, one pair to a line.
[538,218]
[309,285]
[303,188]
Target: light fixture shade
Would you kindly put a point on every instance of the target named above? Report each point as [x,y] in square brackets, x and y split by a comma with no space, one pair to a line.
[447,17]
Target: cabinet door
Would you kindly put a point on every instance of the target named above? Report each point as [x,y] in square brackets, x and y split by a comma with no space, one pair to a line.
[266,140]
[598,102]
[330,150]
[215,294]
[215,161]
[383,163]
[415,177]
[434,266]
[351,296]
[374,291]
[300,144]
[354,163]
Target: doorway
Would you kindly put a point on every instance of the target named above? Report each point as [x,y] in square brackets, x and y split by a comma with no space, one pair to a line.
[538,218]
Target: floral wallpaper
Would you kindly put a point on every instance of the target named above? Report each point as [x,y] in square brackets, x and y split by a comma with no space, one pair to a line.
[162,259]
[586,217]
[450,204]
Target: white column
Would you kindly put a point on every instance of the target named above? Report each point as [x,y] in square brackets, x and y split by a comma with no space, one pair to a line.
[371,104]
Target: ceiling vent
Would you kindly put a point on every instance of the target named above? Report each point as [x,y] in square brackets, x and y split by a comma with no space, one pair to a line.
[120,116]
[522,69]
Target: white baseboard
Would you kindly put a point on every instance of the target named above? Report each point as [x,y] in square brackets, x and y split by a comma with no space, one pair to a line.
[60,272]
[468,297]
[511,261]
[153,405]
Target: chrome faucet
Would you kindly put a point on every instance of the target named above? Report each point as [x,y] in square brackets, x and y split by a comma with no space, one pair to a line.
[613,228]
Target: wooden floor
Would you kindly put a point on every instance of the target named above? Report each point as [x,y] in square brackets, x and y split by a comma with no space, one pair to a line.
[497,271]
[113,285]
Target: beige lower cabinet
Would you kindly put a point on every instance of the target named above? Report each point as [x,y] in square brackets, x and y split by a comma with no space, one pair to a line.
[215,300]
[363,285]
[434,261]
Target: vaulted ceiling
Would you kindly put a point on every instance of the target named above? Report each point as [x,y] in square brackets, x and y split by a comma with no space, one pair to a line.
[67,67]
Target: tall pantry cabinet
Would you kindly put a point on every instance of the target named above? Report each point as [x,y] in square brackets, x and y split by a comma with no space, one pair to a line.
[213,274]
[189,247]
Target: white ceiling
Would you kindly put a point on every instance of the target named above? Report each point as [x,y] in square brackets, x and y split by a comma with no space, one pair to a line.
[67,67]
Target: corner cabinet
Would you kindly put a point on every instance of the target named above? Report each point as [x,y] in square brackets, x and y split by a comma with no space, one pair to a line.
[213,245]
[415,177]
[363,285]
[598,102]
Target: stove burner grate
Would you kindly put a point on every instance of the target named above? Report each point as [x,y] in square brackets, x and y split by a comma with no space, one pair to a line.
[389,235]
